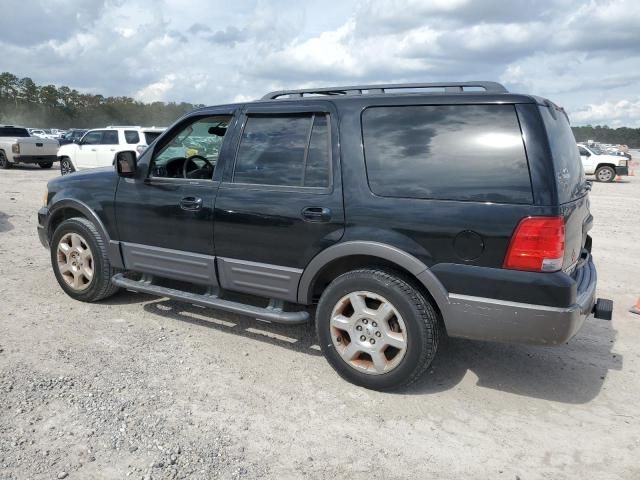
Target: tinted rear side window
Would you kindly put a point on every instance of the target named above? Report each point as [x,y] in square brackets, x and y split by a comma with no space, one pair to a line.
[569,173]
[110,137]
[13,132]
[446,152]
[151,136]
[131,136]
[290,150]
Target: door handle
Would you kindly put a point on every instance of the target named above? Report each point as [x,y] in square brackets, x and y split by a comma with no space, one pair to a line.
[316,214]
[191,203]
[93,149]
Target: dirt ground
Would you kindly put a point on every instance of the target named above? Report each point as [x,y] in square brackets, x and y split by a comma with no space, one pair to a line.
[142,387]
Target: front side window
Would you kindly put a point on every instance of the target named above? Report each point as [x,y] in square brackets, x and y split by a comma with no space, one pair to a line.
[131,136]
[285,150]
[92,138]
[446,152]
[192,152]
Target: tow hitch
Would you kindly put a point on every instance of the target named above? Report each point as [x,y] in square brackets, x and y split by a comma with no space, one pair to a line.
[603,309]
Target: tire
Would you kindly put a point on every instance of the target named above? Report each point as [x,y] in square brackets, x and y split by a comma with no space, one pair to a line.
[605,174]
[342,330]
[46,165]
[66,167]
[91,288]
[4,163]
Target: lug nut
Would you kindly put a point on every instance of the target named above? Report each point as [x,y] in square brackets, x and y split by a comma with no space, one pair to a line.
[365,321]
[339,339]
[378,334]
[359,328]
[374,324]
[372,341]
[363,338]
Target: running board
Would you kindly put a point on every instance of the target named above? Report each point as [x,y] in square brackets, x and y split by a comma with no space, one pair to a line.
[272,313]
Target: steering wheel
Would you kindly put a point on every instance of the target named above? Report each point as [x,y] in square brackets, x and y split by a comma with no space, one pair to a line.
[189,160]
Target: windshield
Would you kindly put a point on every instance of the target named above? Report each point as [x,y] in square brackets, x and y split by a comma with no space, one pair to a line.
[13,132]
[596,149]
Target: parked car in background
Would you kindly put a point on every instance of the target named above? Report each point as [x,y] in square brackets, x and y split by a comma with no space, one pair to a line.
[18,146]
[405,216]
[604,166]
[73,135]
[98,147]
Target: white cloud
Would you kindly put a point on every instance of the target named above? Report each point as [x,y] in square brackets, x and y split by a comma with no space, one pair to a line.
[611,113]
[576,53]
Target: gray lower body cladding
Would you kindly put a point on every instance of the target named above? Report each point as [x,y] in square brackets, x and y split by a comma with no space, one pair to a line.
[499,320]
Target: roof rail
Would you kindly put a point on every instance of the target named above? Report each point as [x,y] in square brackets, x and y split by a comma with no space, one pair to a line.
[450,87]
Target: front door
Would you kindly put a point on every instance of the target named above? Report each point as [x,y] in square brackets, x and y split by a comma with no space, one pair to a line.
[106,150]
[587,160]
[165,214]
[280,202]
[86,152]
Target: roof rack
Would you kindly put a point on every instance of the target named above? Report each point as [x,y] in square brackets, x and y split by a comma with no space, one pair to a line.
[449,87]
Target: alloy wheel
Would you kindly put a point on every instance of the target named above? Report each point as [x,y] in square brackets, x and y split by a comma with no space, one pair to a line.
[65,167]
[368,332]
[75,261]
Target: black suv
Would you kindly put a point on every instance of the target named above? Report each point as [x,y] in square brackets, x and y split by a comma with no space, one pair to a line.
[405,212]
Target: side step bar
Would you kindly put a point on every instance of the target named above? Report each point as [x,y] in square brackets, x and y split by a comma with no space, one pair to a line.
[272,313]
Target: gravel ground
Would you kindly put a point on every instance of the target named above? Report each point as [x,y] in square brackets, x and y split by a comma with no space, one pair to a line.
[142,387]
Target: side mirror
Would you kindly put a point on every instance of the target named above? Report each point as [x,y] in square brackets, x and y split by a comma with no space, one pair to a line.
[126,163]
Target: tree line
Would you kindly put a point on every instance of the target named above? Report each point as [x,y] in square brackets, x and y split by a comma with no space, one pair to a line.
[604,134]
[23,102]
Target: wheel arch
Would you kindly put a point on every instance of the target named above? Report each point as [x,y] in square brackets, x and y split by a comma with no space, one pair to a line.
[600,165]
[346,256]
[66,208]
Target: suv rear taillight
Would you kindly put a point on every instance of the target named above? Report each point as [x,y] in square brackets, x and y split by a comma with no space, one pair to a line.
[537,245]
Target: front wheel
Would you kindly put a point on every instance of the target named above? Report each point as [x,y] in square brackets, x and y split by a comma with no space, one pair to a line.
[80,262]
[66,167]
[605,174]
[46,165]
[376,329]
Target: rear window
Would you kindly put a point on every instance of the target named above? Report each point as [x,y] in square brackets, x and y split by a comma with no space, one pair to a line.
[13,132]
[446,152]
[566,156]
[151,136]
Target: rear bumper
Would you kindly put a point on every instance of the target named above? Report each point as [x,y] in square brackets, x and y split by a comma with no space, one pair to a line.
[35,158]
[483,318]
[622,170]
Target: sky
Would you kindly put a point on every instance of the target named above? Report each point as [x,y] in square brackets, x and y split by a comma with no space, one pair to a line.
[583,55]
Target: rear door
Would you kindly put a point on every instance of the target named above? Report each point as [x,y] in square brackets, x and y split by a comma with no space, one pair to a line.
[571,183]
[280,201]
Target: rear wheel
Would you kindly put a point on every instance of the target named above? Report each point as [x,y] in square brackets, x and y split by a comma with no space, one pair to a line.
[377,329]
[80,262]
[46,165]
[66,167]
[605,174]
[4,163]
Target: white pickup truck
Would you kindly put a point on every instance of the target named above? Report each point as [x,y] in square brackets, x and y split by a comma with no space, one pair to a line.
[98,147]
[17,146]
[604,166]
